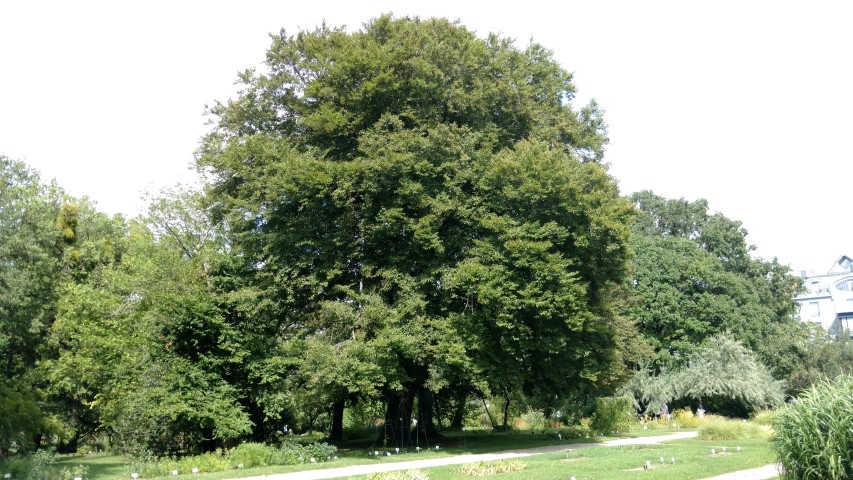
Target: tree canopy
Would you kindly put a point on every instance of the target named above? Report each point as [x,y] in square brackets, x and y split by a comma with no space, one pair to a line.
[425,202]
[694,278]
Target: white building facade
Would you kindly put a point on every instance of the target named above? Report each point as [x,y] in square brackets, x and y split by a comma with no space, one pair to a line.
[828,300]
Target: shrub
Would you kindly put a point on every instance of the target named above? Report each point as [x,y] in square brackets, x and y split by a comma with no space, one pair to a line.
[294,453]
[718,428]
[581,430]
[217,461]
[481,469]
[399,475]
[534,419]
[814,437]
[252,455]
[41,465]
[612,414]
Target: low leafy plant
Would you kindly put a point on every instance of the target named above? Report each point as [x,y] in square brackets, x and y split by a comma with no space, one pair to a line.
[295,453]
[77,471]
[481,469]
[399,475]
[251,454]
[613,414]
[534,419]
[582,430]
[814,434]
[41,465]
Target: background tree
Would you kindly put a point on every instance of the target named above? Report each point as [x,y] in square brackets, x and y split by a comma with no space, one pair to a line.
[416,169]
[31,261]
[144,345]
[694,278]
[722,374]
[30,264]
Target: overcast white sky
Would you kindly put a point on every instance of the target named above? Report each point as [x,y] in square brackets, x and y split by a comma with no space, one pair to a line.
[748,104]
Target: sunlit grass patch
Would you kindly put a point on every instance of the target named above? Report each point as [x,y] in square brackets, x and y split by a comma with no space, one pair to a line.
[725,429]
[400,475]
[481,469]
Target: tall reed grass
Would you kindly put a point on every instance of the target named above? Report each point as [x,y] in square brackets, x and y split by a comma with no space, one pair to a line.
[814,434]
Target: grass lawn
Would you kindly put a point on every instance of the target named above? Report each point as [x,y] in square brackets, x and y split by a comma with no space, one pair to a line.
[114,467]
[693,459]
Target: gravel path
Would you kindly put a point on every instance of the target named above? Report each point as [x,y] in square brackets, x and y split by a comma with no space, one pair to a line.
[355,470]
[761,473]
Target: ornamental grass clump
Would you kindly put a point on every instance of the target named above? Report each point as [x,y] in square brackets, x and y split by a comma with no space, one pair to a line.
[764,417]
[719,428]
[814,434]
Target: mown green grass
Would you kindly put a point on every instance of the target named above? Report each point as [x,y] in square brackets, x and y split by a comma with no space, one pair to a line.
[693,461]
[693,458]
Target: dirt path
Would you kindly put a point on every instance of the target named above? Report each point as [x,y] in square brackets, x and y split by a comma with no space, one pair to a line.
[355,470]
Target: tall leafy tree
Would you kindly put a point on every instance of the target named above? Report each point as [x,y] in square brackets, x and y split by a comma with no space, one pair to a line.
[145,345]
[722,374]
[694,278]
[31,251]
[30,263]
[443,180]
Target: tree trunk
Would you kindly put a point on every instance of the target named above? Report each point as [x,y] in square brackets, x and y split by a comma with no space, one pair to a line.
[395,434]
[486,406]
[506,409]
[459,412]
[425,414]
[337,433]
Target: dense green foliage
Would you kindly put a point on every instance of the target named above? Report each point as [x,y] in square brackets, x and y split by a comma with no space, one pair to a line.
[145,346]
[47,240]
[416,208]
[723,374]
[694,278]
[804,354]
[613,415]
[397,222]
[813,434]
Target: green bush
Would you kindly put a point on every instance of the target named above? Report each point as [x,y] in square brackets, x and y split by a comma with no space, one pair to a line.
[41,465]
[295,453]
[612,414]
[814,434]
[580,430]
[252,455]
[534,419]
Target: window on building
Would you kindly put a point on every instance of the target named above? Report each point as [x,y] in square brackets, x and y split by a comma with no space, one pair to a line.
[814,308]
[845,285]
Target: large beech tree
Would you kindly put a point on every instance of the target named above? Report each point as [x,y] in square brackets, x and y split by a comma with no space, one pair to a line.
[423,207]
